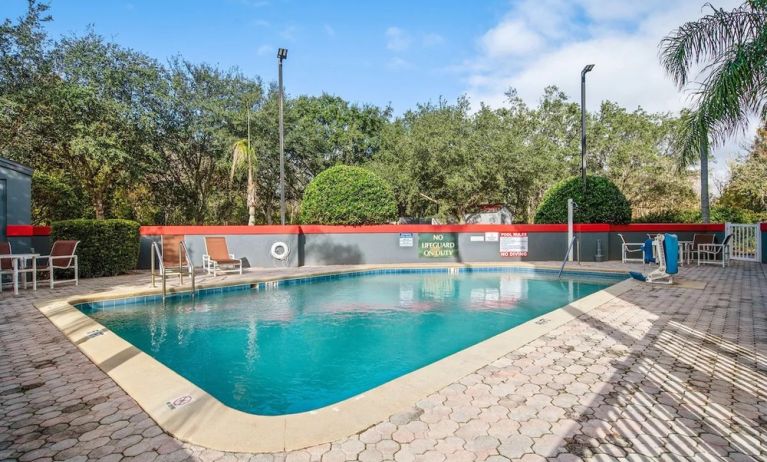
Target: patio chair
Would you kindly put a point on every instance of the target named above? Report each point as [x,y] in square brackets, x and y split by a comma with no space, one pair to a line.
[716,254]
[629,248]
[173,260]
[697,241]
[217,256]
[62,257]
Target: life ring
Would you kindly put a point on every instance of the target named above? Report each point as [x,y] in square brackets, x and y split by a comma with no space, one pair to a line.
[280,250]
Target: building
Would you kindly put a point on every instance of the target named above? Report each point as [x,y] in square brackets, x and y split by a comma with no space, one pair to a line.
[15,200]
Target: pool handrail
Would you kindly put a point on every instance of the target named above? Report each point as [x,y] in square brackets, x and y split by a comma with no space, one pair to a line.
[567,254]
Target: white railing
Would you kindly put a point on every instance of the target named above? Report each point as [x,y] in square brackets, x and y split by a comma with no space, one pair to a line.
[746,241]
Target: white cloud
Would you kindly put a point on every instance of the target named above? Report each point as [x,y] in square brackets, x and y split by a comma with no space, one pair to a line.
[547,42]
[289,33]
[397,39]
[329,30]
[510,38]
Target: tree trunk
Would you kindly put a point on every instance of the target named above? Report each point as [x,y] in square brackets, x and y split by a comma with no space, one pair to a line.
[251,200]
[704,205]
[98,207]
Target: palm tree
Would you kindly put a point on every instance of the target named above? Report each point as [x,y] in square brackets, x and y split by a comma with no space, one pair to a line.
[243,155]
[730,50]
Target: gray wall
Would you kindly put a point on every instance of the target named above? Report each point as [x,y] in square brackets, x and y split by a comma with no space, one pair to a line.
[17,203]
[253,248]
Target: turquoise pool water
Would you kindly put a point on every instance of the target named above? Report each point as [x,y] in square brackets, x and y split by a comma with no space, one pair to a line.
[301,346]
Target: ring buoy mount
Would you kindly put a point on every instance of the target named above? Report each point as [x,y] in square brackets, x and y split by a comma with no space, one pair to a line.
[280,250]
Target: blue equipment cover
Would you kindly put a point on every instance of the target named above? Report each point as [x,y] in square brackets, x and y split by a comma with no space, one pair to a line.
[671,249]
[647,251]
[638,276]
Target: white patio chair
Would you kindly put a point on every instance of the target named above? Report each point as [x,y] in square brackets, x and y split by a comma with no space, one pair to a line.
[630,248]
[712,252]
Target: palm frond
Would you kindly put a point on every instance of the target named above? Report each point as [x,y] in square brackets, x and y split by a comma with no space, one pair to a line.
[708,38]
[239,156]
[688,141]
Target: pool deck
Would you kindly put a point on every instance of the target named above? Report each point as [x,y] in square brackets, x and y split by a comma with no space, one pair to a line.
[675,373]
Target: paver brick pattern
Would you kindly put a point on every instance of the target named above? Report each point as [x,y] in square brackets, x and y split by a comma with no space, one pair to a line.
[660,373]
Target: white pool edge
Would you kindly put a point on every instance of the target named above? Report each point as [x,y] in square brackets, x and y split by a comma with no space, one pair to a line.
[203,420]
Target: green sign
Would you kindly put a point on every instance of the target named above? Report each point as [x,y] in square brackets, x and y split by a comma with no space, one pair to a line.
[438,245]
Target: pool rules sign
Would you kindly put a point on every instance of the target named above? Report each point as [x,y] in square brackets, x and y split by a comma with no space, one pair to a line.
[513,244]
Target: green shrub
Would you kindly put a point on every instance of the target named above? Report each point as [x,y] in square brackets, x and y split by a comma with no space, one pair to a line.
[345,195]
[602,203]
[107,247]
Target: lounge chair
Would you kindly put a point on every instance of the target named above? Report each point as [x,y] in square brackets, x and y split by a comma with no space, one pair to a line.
[629,248]
[217,256]
[667,252]
[62,257]
[174,259]
[715,254]
[697,241]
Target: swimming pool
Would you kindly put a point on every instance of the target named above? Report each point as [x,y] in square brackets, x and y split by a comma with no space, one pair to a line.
[303,344]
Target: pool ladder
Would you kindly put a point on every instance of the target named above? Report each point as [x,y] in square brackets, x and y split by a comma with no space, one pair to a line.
[567,254]
[158,263]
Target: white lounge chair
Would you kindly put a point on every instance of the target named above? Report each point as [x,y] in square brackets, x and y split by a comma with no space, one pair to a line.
[217,256]
[62,257]
[630,248]
[715,254]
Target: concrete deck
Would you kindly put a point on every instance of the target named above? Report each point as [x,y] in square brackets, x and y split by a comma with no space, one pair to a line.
[659,372]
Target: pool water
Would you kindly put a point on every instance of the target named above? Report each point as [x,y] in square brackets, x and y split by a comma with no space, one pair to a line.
[304,346]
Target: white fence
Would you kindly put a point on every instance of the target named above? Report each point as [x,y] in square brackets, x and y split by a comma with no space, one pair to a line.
[746,241]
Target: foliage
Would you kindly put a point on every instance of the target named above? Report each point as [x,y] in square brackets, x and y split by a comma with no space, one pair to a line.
[107,247]
[53,199]
[602,202]
[729,48]
[719,214]
[747,185]
[346,195]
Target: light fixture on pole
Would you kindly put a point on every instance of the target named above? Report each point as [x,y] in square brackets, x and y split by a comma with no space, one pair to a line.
[586,69]
[282,54]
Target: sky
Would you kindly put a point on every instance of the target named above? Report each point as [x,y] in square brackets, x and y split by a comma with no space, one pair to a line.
[407,52]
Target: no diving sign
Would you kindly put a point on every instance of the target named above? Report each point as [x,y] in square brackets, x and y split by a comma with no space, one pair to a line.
[180,401]
[513,244]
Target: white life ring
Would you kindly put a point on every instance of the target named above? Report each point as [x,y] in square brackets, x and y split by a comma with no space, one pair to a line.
[280,250]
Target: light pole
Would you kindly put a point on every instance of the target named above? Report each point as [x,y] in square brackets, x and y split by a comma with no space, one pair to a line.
[282,53]
[586,69]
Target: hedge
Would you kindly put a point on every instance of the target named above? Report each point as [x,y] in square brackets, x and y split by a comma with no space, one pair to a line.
[346,195]
[603,202]
[107,247]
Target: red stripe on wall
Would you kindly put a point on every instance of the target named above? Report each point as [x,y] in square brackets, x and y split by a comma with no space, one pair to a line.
[218,229]
[763,227]
[27,230]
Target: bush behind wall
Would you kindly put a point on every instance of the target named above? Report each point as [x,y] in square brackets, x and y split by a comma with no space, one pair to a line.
[107,247]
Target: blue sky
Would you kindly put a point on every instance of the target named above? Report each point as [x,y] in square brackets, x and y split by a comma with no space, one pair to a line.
[367,52]
[406,52]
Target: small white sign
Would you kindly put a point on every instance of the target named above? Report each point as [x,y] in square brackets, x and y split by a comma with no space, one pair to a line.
[491,237]
[513,244]
[406,239]
[477,238]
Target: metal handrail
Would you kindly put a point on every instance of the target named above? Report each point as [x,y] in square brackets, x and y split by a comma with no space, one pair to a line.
[567,254]
[156,257]
[182,246]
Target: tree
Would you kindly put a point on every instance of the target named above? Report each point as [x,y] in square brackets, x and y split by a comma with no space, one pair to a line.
[603,202]
[731,48]
[243,155]
[747,186]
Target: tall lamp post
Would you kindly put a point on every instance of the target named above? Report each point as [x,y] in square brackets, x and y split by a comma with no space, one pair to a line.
[282,54]
[586,69]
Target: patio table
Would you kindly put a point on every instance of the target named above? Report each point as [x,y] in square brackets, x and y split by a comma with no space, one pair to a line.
[19,264]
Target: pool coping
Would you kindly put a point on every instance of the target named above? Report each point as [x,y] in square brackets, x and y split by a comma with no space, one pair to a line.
[192,415]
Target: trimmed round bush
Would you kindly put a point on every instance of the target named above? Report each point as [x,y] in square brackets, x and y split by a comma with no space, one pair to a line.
[602,203]
[346,195]
[107,247]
